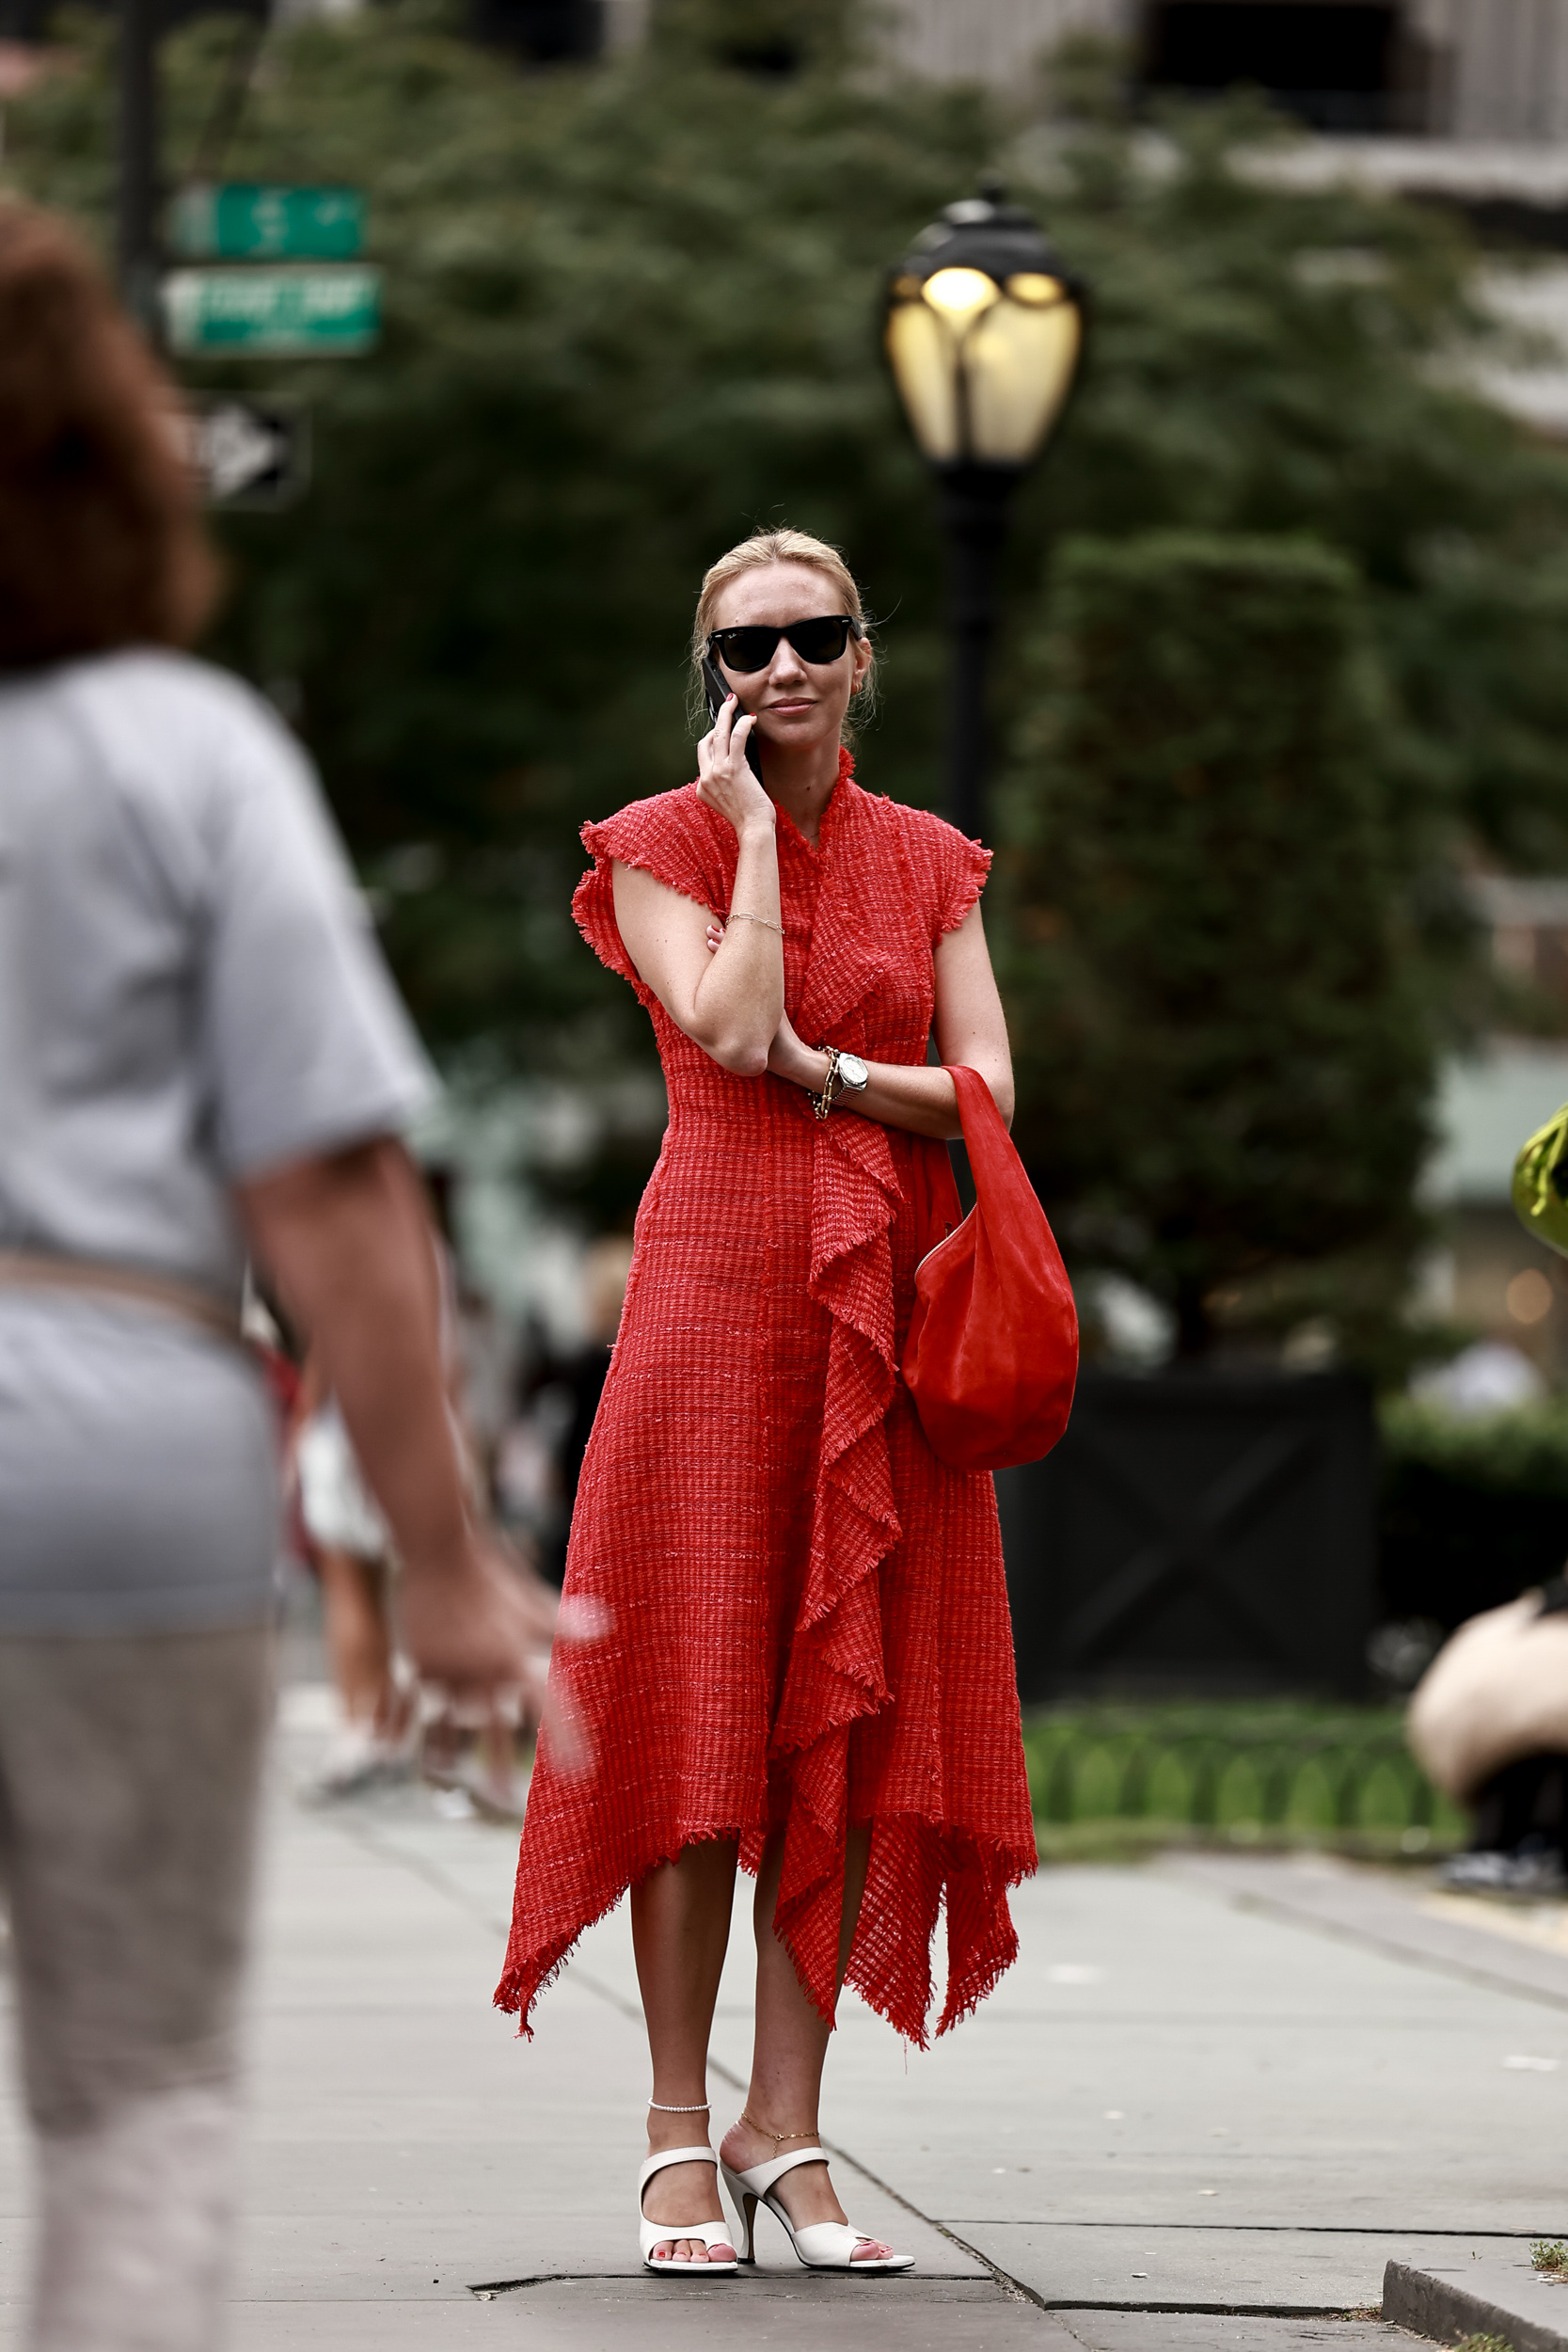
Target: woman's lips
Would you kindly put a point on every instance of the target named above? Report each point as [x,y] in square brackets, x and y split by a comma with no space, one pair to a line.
[802,704]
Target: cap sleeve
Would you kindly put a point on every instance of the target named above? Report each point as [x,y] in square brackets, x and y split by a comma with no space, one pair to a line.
[949,870]
[668,837]
[306,1045]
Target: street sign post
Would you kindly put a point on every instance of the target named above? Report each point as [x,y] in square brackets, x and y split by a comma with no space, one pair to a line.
[247,452]
[272,313]
[248,221]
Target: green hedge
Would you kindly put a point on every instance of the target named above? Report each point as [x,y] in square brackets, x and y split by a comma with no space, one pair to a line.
[1106,1779]
[1472,1511]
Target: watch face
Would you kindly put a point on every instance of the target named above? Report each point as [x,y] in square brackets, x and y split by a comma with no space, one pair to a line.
[852,1071]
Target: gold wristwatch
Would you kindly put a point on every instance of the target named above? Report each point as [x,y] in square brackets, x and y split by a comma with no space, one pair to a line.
[846,1074]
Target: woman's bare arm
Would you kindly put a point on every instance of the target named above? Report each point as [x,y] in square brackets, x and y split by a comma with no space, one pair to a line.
[730,1002]
[347,1240]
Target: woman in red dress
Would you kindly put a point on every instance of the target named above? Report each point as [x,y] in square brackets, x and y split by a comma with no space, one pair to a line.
[809,1665]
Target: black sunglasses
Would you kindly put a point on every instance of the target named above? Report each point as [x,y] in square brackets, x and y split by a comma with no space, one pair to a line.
[744,650]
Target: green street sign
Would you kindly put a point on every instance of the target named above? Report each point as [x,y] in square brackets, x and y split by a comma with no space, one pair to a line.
[272,313]
[244,221]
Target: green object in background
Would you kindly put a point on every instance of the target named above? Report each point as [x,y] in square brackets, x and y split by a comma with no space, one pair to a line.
[272,313]
[588,389]
[1219,1045]
[250,221]
[1540,1184]
[1108,1778]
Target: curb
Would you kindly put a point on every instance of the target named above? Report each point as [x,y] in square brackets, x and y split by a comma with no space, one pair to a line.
[1492,2299]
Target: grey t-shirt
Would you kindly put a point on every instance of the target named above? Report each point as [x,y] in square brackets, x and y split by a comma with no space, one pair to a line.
[189,993]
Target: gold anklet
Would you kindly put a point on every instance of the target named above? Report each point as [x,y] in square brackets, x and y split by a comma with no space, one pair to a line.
[778,2139]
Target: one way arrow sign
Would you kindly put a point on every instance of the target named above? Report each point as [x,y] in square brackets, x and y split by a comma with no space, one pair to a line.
[248,452]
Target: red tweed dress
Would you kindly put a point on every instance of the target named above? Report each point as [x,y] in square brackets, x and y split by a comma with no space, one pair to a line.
[808,1621]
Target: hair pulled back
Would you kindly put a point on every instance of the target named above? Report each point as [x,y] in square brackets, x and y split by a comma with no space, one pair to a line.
[782,546]
[100,537]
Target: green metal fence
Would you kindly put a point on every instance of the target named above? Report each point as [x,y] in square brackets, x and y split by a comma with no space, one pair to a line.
[1248,1775]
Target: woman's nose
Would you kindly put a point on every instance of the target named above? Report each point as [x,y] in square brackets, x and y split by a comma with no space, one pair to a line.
[786,668]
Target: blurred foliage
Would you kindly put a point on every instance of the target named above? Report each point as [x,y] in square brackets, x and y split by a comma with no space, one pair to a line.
[1473,1511]
[1266,360]
[1523,1450]
[631,312]
[1221,1032]
[1242,1772]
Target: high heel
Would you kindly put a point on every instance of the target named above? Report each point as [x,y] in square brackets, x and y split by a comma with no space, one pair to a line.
[652,2233]
[820,2245]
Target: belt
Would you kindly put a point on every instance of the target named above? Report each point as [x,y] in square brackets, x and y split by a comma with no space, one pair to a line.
[28,1270]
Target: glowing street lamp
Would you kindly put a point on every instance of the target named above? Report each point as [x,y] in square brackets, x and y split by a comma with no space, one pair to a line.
[983,328]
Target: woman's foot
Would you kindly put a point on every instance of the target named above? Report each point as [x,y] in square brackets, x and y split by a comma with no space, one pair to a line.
[806,2194]
[683,2192]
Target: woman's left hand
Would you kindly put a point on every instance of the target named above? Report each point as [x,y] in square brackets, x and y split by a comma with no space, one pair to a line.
[788,1058]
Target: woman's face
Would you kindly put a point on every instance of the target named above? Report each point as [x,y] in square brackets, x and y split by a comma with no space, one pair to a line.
[799,705]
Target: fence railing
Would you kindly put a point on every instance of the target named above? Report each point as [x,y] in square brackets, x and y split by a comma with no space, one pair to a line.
[1338,1779]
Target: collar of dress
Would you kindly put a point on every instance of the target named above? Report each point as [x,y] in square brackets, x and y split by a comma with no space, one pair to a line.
[833,815]
[846,964]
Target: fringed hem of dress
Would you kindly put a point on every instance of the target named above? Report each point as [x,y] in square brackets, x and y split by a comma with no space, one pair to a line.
[917,1870]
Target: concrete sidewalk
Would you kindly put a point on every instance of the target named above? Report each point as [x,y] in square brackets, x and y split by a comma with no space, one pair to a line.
[1231,2090]
[1210,2103]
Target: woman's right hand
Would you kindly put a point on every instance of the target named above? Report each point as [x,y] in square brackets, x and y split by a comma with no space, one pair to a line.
[724,779]
[480,1627]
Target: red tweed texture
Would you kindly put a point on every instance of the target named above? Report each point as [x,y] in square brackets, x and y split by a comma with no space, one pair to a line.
[808,1617]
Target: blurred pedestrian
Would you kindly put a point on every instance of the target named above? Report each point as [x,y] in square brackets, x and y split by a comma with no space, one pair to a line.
[197,1043]
[482,1342]
[1488,1723]
[350,1550]
[811,1665]
[575,1383]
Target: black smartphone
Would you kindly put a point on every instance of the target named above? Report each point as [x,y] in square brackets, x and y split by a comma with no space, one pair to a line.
[719,693]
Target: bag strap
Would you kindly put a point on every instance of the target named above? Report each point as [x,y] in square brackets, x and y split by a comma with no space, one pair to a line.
[1003,1192]
[978,1114]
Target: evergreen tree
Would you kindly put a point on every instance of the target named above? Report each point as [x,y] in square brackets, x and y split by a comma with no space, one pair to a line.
[1225,1054]
[631,312]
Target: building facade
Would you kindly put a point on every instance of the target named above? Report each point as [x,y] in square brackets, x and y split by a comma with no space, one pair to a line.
[1487,70]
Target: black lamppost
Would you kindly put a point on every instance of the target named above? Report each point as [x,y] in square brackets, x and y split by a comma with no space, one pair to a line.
[140,23]
[983,330]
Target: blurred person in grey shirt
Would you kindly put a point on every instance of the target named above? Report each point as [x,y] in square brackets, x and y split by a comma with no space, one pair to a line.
[200,1054]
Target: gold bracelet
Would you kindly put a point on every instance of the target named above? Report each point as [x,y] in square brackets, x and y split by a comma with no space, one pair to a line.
[738,914]
[822,1103]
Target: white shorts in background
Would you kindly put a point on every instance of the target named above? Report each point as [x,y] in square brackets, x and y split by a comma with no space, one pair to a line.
[338,1509]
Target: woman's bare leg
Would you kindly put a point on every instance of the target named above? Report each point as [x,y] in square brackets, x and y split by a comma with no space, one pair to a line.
[790,2048]
[680,1925]
[359,1638]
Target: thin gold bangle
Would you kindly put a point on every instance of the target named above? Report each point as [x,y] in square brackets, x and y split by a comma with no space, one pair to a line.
[738,914]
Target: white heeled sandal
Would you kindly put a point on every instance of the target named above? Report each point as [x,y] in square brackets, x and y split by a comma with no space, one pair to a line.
[820,2245]
[652,2233]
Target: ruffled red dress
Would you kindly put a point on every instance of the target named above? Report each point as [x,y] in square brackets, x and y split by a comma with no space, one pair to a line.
[808,1617]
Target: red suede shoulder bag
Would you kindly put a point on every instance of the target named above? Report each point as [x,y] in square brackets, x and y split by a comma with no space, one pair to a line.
[992,1356]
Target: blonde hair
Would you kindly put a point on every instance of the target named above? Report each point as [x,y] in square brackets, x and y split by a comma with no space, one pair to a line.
[754,554]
